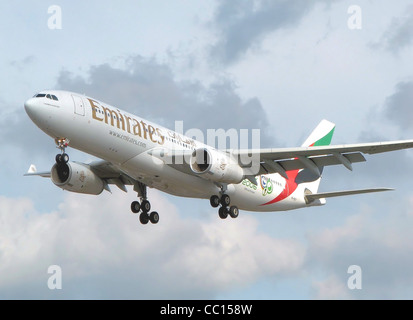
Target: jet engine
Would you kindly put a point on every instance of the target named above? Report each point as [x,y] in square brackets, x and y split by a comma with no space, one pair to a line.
[216,166]
[76,177]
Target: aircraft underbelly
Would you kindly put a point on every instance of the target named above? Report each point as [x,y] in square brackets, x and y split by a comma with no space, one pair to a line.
[154,173]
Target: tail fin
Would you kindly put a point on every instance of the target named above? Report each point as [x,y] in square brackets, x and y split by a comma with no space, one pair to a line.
[321,136]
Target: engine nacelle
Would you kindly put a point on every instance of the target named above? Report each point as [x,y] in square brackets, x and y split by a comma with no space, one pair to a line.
[216,166]
[76,177]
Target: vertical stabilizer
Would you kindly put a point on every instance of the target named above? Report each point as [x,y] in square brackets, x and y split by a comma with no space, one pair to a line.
[321,136]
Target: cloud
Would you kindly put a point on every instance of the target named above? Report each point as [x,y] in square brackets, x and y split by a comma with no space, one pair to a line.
[381,244]
[244,24]
[149,89]
[23,63]
[399,34]
[387,121]
[104,252]
[331,288]
[398,106]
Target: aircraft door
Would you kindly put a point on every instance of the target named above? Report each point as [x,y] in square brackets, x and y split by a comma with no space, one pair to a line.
[79,105]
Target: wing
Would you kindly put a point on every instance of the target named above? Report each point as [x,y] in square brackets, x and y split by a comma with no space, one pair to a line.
[33,172]
[284,159]
[281,160]
[111,174]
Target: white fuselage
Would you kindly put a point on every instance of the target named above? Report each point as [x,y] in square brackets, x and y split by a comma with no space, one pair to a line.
[128,141]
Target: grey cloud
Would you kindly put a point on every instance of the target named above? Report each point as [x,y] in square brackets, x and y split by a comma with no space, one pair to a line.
[23,63]
[399,35]
[245,23]
[399,106]
[149,89]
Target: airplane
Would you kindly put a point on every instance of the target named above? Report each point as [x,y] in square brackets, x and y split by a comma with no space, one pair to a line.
[139,153]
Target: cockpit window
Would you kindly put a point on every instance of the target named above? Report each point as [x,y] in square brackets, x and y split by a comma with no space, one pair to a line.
[48,96]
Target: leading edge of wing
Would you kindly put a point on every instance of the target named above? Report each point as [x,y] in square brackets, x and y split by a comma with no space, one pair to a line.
[312,197]
[285,153]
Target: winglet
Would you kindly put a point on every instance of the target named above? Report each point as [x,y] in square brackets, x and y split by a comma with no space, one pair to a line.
[32,169]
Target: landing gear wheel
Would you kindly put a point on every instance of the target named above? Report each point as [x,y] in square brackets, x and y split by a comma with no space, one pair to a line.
[135,207]
[214,200]
[154,217]
[223,212]
[145,206]
[144,218]
[225,200]
[64,158]
[234,212]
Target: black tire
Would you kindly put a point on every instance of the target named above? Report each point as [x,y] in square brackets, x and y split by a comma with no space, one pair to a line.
[223,212]
[154,217]
[65,158]
[214,201]
[225,200]
[234,212]
[144,218]
[135,206]
[59,158]
[145,206]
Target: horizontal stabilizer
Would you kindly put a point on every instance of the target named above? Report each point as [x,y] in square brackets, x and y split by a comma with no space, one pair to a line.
[309,198]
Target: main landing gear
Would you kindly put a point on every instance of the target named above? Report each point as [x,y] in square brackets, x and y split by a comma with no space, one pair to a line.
[144,206]
[225,208]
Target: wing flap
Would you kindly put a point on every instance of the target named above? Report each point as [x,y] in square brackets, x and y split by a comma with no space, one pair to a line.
[286,153]
[319,161]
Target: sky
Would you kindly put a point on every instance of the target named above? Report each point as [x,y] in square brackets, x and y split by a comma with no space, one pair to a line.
[274,65]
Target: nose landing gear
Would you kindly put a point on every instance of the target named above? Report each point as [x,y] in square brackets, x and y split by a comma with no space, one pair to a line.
[62,159]
[62,144]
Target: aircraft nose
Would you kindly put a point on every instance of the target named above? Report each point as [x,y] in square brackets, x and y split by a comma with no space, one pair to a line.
[35,110]
[30,106]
